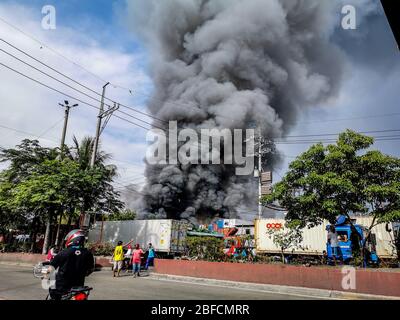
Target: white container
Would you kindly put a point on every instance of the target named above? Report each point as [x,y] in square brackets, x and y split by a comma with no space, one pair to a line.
[384,240]
[314,239]
[166,235]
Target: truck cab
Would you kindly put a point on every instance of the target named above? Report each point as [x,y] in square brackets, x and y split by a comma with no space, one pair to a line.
[345,237]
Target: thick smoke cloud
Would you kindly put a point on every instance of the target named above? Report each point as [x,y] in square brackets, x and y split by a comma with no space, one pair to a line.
[225,64]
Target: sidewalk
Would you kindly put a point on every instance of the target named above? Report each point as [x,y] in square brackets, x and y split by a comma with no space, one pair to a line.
[295,291]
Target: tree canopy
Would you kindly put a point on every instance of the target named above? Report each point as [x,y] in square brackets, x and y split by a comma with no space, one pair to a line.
[340,179]
[37,184]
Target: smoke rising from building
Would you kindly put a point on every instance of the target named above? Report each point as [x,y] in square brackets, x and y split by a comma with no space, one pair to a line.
[228,64]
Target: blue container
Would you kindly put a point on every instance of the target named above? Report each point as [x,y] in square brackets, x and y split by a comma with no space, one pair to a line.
[220,223]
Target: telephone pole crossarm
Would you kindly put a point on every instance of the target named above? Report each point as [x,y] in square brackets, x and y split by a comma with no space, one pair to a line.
[107,115]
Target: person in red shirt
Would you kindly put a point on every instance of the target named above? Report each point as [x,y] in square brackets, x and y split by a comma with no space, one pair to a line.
[136,260]
[51,254]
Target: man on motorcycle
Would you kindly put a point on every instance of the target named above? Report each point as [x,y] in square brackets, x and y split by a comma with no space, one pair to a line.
[74,263]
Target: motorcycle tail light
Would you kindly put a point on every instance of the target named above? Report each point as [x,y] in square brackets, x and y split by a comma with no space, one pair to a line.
[80,296]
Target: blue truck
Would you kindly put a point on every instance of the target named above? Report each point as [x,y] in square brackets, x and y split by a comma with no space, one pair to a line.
[347,234]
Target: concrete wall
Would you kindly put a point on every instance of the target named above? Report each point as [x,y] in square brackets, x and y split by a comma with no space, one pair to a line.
[32,259]
[25,258]
[379,282]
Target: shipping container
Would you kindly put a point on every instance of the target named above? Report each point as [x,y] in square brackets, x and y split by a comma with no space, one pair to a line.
[385,241]
[166,235]
[314,239]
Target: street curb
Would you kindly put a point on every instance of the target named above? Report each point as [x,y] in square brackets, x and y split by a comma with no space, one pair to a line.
[14,263]
[268,288]
[298,291]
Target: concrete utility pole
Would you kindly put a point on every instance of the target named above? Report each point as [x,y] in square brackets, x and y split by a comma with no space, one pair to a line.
[259,174]
[98,128]
[64,132]
[264,177]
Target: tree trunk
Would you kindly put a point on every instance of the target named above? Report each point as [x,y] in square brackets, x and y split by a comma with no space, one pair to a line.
[58,229]
[364,243]
[47,234]
[34,232]
[69,221]
[283,257]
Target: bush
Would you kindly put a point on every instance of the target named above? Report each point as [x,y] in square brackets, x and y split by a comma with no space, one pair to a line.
[16,247]
[205,248]
[101,249]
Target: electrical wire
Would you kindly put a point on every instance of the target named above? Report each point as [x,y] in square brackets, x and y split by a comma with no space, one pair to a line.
[69,96]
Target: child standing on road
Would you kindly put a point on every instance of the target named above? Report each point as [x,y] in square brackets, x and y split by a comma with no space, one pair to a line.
[136,260]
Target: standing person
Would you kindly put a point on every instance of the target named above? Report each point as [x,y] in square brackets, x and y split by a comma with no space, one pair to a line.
[333,241]
[355,239]
[51,253]
[136,260]
[118,257]
[150,257]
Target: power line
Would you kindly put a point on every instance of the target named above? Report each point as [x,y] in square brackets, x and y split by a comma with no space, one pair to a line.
[42,44]
[127,188]
[394,138]
[25,133]
[133,177]
[68,95]
[71,79]
[336,134]
[372,116]
[73,88]
[133,181]
[51,128]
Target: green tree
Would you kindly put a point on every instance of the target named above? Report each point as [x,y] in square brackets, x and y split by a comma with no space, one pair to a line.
[122,215]
[21,162]
[103,197]
[341,178]
[288,237]
[38,186]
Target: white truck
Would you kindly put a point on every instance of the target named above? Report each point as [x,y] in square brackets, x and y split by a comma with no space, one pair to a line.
[314,239]
[166,235]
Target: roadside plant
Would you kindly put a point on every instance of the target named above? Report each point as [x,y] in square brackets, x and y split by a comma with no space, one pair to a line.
[286,238]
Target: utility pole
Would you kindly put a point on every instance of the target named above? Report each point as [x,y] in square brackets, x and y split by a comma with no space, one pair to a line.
[264,177]
[64,132]
[98,128]
[259,174]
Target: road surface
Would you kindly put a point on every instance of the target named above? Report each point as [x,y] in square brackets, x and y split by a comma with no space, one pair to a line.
[18,283]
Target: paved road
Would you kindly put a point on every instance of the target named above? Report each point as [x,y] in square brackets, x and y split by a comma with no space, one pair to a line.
[17,282]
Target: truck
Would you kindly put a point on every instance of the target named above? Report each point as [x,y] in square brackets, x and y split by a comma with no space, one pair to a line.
[384,239]
[166,235]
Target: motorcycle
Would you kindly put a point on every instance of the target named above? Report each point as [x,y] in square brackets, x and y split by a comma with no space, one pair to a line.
[43,270]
